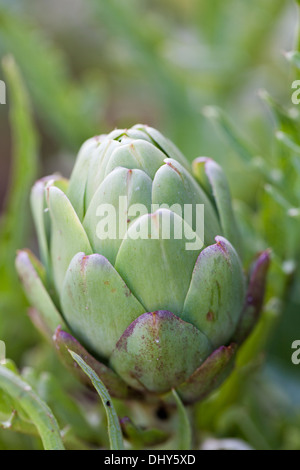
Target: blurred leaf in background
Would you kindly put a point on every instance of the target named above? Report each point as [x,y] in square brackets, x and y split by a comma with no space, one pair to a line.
[65,108]
[162,70]
[15,222]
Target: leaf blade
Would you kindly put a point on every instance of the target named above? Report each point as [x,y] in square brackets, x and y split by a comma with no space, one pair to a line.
[184,435]
[39,412]
[114,429]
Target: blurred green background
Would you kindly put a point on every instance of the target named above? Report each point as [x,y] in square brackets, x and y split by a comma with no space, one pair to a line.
[197,71]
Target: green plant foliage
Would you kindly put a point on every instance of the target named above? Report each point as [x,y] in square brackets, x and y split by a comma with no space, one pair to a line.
[114,430]
[54,94]
[36,410]
[14,224]
[192,69]
[184,427]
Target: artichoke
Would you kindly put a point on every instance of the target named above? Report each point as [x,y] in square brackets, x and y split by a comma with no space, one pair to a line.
[148,313]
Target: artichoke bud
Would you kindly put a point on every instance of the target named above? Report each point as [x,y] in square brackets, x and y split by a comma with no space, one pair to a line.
[141,265]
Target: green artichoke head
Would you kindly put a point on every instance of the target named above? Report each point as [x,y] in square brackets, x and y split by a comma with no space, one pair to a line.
[152,290]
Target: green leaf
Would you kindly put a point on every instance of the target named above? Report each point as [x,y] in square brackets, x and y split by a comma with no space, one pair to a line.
[114,429]
[15,221]
[184,432]
[37,410]
[66,408]
[15,218]
[237,142]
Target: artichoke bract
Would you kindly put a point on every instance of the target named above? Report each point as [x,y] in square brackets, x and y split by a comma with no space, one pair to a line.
[149,310]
